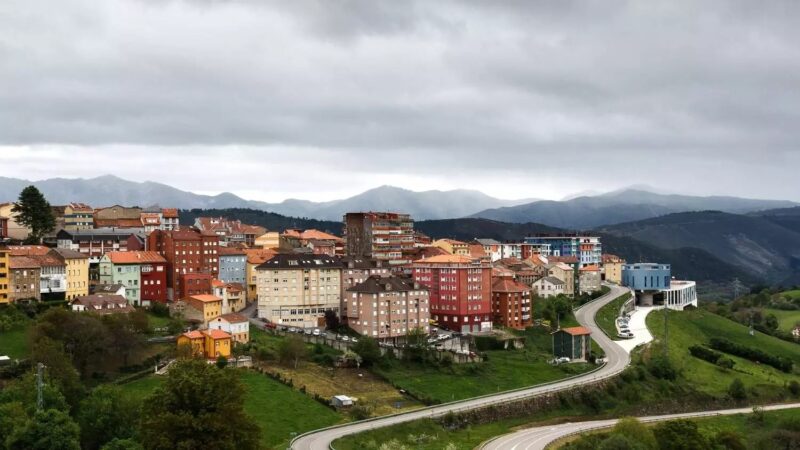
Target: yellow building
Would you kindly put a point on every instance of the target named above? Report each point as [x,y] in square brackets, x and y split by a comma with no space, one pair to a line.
[612,268]
[77,271]
[207,343]
[209,307]
[16,230]
[255,257]
[270,239]
[78,216]
[5,275]
[452,246]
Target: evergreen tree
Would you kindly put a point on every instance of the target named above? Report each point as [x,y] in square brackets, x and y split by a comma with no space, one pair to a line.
[34,213]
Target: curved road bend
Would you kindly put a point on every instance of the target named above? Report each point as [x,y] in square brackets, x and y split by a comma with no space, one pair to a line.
[538,438]
[617,360]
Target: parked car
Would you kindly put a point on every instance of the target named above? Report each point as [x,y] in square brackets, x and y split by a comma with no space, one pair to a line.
[353,340]
[308,332]
[346,338]
[315,332]
[626,335]
[562,360]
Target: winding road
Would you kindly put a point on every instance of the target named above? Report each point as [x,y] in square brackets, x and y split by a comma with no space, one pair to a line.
[617,360]
[540,437]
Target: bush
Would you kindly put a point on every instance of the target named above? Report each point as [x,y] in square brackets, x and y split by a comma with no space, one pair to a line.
[484,343]
[736,390]
[752,354]
[661,367]
[794,388]
[726,363]
[706,354]
[360,412]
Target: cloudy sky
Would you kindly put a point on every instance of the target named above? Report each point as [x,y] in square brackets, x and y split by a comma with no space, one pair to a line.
[323,99]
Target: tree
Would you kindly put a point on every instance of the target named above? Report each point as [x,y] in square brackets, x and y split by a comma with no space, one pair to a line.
[59,368]
[198,406]
[23,391]
[736,390]
[368,349]
[679,435]
[106,414]
[622,442]
[635,431]
[771,322]
[123,334]
[46,430]
[222,362]
[35,213]
[84,336]
[332,321]
[292,350]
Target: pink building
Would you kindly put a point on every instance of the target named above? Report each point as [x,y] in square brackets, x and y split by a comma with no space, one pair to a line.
[387,307]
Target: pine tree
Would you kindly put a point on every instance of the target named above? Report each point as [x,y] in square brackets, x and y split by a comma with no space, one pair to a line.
[34,213]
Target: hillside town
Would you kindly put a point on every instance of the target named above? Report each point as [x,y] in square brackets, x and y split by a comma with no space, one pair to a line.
[382,279]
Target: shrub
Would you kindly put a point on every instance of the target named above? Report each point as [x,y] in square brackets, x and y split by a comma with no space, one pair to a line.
[360,412]
[726,363]
[752,354]
[794,388]
[661,367]
[736,390]
[706,354]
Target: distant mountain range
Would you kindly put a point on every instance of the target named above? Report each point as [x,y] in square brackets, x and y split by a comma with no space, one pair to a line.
[627,205]
[109,190]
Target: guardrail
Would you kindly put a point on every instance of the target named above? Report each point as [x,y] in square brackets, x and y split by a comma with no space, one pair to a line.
[444,406]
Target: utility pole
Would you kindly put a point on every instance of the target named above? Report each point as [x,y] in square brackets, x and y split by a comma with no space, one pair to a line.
[666,330]
[736,287]
[39,400]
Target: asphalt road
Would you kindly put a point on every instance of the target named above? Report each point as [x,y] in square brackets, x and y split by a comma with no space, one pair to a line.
[618,359]
[538,438]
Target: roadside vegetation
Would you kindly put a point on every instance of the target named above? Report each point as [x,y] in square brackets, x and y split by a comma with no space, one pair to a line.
[759,430]
[769,311]
[607,315]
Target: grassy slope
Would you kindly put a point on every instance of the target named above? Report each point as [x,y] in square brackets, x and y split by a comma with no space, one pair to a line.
[278,409]
[14,343]
[698,327]
[787,320]
[607,315]
[505,370]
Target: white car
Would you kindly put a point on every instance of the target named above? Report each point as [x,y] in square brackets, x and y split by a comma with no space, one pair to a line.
[562,360]
[346,338]
[315,332]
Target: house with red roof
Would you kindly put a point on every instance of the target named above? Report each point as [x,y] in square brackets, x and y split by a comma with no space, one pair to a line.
[574,343]
[143,273]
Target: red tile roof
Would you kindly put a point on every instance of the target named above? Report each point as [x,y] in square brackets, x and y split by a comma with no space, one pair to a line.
[28,250]
[507,284]
[194,334]
[217,334]
[590,268]
[442,259]
[577,331]
[205,298]
[23,262]
[233,318]
[135,257]
[171,213]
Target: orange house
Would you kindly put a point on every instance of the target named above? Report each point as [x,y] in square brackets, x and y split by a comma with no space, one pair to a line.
[208,344]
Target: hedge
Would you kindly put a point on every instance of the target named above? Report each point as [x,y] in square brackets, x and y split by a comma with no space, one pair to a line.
[753,354]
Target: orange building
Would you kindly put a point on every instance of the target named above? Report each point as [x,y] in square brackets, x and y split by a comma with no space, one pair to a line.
[207,343]
[511,302]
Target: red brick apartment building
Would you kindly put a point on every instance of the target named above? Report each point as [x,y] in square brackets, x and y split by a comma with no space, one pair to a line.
[511,302]
[380,235]
[460,291]
[188,252]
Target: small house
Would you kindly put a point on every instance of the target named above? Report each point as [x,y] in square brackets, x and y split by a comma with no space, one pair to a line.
[574,343]
[341,401]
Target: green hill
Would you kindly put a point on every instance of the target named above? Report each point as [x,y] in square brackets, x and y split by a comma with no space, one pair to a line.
[697,327]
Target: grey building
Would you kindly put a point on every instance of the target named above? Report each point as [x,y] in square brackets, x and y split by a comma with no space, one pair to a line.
[232,265]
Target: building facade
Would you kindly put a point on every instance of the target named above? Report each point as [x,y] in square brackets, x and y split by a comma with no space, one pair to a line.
[589,279]
[13,229]
[548,287]
[511,303]
[460,291]
[387,307]
[296,289]
[236,325]
[97,242]
[380,235]
[232,265]
[588,249]
[118,216]
[574,343]
[612,268]
[77,271]
[24,274]
[5,275]
[187,252]
[565,273]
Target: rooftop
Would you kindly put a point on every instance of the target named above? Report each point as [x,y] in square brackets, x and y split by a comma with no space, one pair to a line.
[135,257]
[576,331]
[376,284]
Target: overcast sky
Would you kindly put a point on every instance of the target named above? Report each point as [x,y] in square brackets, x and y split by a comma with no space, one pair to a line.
[324,99]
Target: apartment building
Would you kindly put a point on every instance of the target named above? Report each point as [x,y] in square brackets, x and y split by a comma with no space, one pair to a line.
[612,268]
[78,216]
[53,270]
[94,243]
[187,252]
[548,287]
[143,273]
[524,250]
[5,274]
[453,246]
[24,278]
[380,235]
[589,279]
[169,219]
[13,229]
[460,291]
[387,307]
[356,270]
[3,228]
[587,249]
[565,273]
[255,257]
[297,289]
[118,216]
[511,303]
[232,265]
[77,272]
[230,231]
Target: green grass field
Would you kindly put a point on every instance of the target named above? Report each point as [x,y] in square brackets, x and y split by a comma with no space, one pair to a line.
[278,409]
[792,294]
[14,343]
[698,327]
[787,320]
[607,315]
[505,370]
